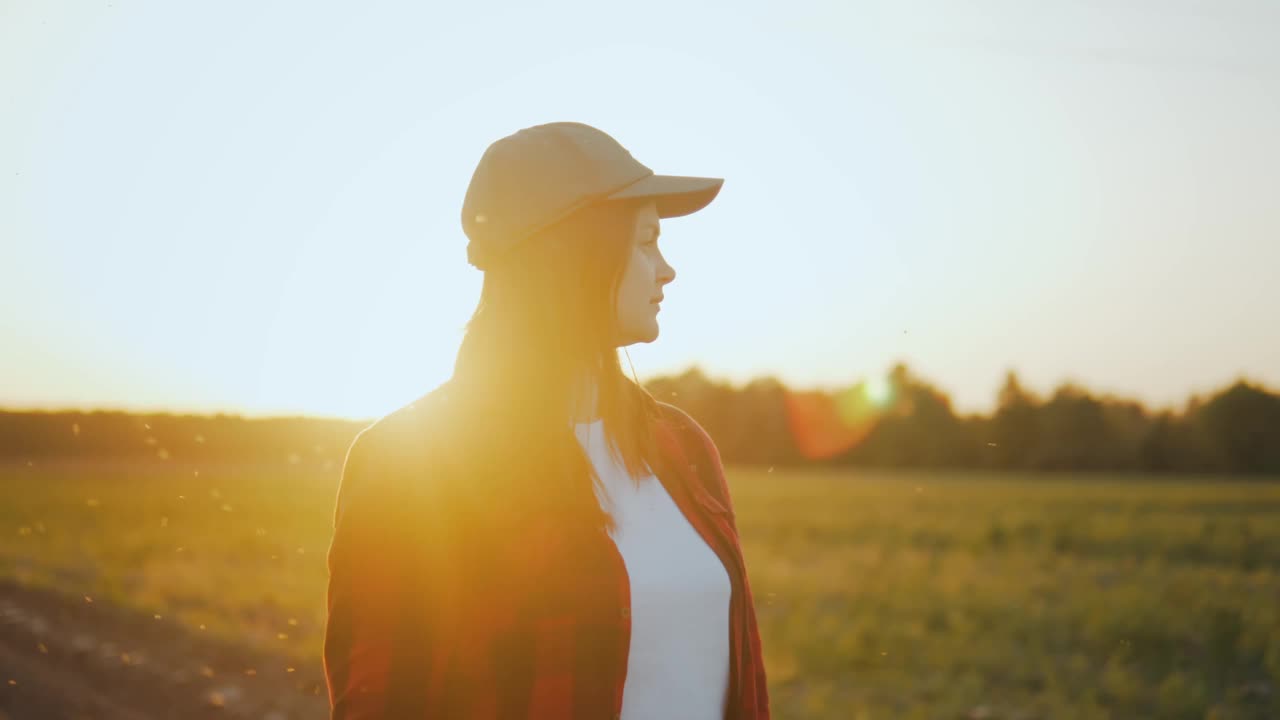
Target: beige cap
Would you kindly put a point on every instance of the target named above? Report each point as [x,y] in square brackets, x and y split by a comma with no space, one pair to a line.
[537,176]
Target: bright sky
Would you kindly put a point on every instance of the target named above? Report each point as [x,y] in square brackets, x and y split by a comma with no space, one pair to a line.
[254,206]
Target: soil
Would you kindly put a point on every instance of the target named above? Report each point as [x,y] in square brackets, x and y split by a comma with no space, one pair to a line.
[65,658]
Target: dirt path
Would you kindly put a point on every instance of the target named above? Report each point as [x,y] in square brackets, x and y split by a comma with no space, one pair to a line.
[73,659]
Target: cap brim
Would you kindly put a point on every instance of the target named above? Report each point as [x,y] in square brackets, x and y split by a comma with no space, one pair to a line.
[673,195]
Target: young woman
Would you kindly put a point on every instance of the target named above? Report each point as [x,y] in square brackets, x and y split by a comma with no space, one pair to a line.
[538,537]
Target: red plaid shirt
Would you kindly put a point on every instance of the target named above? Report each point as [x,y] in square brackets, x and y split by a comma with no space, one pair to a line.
[395,645]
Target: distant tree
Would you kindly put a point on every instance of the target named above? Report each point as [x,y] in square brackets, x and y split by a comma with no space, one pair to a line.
[1127,425]
[1015,426]
[1074,432]
[757,431]
[918,430]
[1158,451]
[1241,427]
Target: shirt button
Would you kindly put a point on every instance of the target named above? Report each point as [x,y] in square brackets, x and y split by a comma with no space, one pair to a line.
[626,612]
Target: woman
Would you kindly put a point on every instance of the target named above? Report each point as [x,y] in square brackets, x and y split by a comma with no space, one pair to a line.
[538,537]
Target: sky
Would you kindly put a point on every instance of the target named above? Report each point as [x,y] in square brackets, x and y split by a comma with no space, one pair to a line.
[254,207]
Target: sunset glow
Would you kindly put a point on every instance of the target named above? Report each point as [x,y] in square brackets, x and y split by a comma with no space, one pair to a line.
[196,219]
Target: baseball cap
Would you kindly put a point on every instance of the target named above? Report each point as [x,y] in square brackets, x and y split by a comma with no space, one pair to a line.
[537,176]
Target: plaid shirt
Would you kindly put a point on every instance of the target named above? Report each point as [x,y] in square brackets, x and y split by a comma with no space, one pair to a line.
[402,642]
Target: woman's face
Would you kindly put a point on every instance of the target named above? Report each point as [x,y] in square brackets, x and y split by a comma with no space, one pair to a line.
[642,281]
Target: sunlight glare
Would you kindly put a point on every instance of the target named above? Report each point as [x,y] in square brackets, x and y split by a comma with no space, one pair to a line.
[879,391]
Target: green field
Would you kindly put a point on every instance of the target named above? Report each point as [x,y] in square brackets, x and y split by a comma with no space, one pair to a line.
[880,595]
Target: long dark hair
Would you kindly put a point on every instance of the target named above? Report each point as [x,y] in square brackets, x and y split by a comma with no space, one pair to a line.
[545,322]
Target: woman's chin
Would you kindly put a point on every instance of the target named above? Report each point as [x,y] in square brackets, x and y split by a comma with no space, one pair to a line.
[646,335]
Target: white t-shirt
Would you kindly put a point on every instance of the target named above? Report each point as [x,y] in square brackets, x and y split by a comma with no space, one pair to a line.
[678,663]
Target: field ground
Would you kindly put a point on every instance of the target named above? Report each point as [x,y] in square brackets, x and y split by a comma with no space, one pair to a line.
[880,595]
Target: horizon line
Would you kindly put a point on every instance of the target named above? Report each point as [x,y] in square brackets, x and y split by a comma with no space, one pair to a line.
[295,413]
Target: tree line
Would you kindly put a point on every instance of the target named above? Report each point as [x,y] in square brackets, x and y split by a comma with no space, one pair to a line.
[901,422]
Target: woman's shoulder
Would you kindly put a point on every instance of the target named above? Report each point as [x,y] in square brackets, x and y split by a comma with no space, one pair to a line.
[403,449]
[410,421]
[696,440]
[682,421]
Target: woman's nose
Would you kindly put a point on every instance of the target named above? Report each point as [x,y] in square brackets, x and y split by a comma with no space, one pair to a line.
[666,273]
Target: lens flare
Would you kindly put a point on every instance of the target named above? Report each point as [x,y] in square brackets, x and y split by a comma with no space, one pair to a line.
[823,425]
[879,391]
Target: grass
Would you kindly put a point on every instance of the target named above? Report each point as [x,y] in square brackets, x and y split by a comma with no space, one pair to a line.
[879,595]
